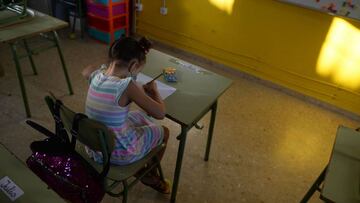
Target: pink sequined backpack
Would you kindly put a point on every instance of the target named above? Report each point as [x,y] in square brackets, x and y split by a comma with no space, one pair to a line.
[57,163]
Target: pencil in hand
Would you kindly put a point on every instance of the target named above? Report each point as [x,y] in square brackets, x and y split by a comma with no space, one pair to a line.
[155,78]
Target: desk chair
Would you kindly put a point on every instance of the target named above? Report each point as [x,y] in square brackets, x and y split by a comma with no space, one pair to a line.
[97,136]
[318,184]
[74,8]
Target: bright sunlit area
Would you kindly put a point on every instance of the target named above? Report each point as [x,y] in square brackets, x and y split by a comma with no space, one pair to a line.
[339,57]
[224,5]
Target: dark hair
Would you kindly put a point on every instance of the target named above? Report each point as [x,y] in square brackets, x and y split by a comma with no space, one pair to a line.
[126,49]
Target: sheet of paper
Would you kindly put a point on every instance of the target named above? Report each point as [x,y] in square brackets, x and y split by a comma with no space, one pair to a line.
[164,89]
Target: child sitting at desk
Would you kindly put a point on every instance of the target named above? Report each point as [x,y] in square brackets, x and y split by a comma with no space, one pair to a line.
[112,89]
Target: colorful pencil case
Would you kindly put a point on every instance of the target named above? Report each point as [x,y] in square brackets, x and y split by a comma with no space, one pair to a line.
[169,74]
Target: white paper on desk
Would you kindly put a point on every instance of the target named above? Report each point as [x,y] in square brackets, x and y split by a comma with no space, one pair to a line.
[164,89]
[10,188]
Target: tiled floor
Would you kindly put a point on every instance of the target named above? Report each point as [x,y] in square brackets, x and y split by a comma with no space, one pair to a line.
[268,145]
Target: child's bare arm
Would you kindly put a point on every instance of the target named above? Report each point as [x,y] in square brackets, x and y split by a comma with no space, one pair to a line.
[155,107]
[152,91]
[88,70]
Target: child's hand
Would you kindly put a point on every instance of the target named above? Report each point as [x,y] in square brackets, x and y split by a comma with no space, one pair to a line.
[151,89]
[88,70]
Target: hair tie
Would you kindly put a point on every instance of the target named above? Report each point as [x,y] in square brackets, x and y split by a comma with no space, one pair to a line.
[144,49]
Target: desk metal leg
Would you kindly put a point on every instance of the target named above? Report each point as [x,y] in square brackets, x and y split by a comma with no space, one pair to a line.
[29,53]
[82,24]
[211,129]
[21,79]
[81,17]
[314,187]
[63,62]
[179,158]
[2,73]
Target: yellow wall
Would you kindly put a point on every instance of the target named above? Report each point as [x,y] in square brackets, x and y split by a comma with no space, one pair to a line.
[266,38]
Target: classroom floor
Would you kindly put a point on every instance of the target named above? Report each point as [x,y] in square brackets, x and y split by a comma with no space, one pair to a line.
[269,143]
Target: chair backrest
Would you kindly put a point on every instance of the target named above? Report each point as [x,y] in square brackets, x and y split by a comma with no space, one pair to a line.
[90,132]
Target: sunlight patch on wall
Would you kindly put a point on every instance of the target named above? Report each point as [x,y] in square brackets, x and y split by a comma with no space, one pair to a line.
[340,54]
[224,5]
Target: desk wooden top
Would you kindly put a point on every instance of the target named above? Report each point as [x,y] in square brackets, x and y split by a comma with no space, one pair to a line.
[35,190]
[342,180]
[33,25]
[196,89]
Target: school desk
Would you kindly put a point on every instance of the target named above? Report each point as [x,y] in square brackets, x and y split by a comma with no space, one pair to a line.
[197,93]
[35,190]
[33,25]
[341,177]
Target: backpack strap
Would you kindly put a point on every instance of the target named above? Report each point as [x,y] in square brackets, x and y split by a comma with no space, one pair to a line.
[59,126]
[75,128]
[40,128]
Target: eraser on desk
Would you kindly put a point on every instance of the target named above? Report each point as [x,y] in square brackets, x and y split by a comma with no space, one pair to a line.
[169,74]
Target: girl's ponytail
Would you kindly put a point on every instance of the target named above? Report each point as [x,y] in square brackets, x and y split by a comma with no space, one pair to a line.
[145,44]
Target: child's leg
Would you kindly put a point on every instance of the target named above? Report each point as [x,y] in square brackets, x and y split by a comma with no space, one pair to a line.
[166,138]
[139,119]
[153,178]
[161,153]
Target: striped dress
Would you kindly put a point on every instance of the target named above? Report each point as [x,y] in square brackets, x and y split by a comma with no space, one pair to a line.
[136,133]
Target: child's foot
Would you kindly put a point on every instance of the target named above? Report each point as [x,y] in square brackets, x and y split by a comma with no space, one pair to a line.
[155,182]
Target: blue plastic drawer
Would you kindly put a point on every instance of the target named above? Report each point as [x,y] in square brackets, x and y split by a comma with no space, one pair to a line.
[105,36]
[106,2]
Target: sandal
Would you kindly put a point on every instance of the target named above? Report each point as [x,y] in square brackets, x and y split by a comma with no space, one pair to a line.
[155,182]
